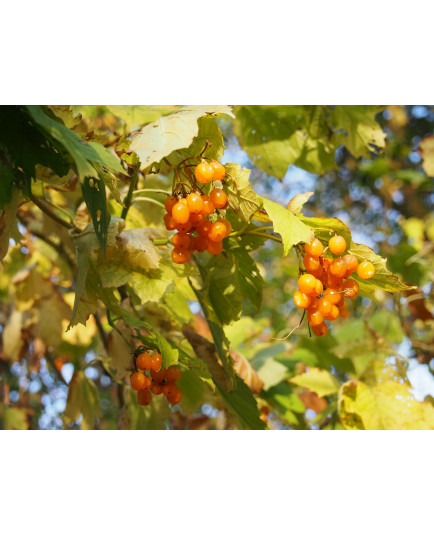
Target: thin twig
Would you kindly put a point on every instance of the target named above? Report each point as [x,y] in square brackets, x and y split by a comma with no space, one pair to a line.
[127,201]
[292,331]
[43,205]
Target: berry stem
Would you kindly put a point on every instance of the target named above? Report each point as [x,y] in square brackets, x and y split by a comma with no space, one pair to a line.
[150,200]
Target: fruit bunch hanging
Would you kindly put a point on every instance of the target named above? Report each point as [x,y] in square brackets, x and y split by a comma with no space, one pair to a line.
[160,380]
[197,217]
[326,281]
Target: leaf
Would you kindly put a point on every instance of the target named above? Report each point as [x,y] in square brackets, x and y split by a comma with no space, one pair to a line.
[290,227]
[135,115]
[83,154]
[247,373]
[242,403]
[83,399]
[95,197]
[249,277]
[13,341]
[50,309]
[286,402]
[383,278]
[8,220]
[138,250]
[6,184]
[15,419]
[298,201]
[120,355]
[175,131]
[111,181]
[426,150]
[356,128]
[326,227]
[243,200]
[319,381]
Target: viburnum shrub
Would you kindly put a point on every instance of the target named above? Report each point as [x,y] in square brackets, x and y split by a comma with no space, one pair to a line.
[159,381]
[326,281]
[197,217]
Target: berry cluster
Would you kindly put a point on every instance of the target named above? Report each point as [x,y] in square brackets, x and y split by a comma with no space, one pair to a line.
[327,281]
[196,216]
[161,381]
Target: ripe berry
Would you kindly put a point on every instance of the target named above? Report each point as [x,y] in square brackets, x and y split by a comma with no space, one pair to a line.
[215,248]
[144,398]
[217,231]
[204,173]
[156,388]
[180,212]
[324,306]
[350,288]
[334,313]
[313,303]
[194,203]
[138,381]
[301,300]
[315,248]
[318,288]
[351,263]
[311,263]
[344,313]
[320,330]
[306,284]
[144,361]
[201,244]
[315,317]
[337,245]
[170,203]
[158,376]
[332,295]
[175,398]
[173,374]
[333,281]
[227,225]
[338,268]
[181,240]
[183,227]
[156,362]
[195,219]
[180,256]
[218,197]
[169,222]
[219,170]
[204,227]
[366,270]
[192,244]
[208,206]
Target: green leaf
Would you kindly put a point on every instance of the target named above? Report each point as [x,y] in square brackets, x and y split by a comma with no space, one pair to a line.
[83,154]
[319,381]
[286,402]
[138,250]
[356,128]
[14,419]
[243,200]
[298,201]
[383,278]
[426,150]
[326,227]
[290,227]
[83,399]
[249,277]
[243,404]
[173,132]
[135,115]
[95,197]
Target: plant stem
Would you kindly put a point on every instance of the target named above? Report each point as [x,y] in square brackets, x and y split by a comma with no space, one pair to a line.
[155,190]
[43,205]
[128,198]
[148,199]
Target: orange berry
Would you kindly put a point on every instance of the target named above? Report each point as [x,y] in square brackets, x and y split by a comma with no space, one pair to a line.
[158,376]
[156,362]
[204,227]
[173,374]
[320,330]
[306,283]
[333,281]
[324,306]
[156,388]
[183,227]
[144,398]
[314,248]
[315,317]
[215,248]
[351,263]
[194,203]
[350,288]
[169,222]
[318,288]
[180,212]
[311,263]
[217,231]
[313,303]
[180,256]
[192,245]
[219,170]
[201,244]
[338,268]
[344,313]
[218,197]
[333,314]
[175,398]
[144,361]
[195,219]
[204,173]
[227,225]
[170,203]
[301,300]
[333,295]
[181,240]
[337,245]
[366,270]
[138,381]
[208,206]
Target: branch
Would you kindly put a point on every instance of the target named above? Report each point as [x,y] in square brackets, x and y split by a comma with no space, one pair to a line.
[45,207]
